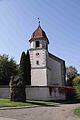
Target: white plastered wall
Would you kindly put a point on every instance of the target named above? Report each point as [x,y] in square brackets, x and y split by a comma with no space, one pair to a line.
[54,72]
[39,77]
[41,58]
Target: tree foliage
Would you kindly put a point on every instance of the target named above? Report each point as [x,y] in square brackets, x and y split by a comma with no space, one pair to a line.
[25,68]
[71,73]
[76,81]
[18,83]
[28,82]
[22,68]
[8,68]
[17,89]
[76,84]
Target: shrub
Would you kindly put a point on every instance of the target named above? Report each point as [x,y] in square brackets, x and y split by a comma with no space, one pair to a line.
[76,84]
[76,81]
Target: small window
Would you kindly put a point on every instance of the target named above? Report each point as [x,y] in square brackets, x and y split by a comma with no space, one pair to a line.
[37,62]
[37,44]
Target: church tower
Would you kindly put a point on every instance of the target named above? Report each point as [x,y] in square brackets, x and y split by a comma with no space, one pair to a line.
[47,70]
[38,57]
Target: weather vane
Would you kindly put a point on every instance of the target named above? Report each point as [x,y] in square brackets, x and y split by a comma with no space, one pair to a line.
[38,21]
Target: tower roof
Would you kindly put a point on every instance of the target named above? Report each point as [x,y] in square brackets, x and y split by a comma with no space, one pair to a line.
[39,34]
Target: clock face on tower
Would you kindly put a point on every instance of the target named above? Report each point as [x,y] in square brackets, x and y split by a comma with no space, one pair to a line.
[37,54]
[38,58]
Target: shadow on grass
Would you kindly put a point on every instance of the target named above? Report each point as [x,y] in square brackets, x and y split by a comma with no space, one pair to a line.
[52,104]
[71,101]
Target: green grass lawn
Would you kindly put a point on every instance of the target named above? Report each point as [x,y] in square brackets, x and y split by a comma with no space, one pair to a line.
[77,112]
[8,103]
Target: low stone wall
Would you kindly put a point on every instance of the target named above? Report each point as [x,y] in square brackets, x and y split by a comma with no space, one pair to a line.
[44,93]
[36,93]
[4,91]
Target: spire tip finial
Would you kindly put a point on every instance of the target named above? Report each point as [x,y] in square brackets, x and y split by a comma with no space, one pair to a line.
[39,21]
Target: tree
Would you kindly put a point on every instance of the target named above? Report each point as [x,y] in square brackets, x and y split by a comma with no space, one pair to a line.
[71,73]
[18,83]
[28,82]
[23,67]
[17,89]
[8,68]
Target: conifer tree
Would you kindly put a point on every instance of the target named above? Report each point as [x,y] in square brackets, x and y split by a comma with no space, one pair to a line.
[23,67]
[28,69]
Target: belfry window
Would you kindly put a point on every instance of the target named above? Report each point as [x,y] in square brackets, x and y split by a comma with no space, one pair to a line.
[37,44]
[37,62]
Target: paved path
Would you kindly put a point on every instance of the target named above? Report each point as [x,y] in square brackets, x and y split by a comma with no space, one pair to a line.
[57,112]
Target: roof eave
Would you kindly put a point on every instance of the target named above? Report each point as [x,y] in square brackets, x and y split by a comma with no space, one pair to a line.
[35,39]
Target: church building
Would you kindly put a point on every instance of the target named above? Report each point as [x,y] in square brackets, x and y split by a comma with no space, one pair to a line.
[47,70]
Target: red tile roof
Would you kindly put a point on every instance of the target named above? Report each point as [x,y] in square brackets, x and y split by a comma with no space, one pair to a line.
[39,34]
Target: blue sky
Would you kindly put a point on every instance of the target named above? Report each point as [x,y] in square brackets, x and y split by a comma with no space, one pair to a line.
[60,19]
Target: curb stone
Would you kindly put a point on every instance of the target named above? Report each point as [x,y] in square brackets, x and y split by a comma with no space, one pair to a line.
[21,107]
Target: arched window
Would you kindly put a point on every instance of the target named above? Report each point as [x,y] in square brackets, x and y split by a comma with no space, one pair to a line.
[37,44]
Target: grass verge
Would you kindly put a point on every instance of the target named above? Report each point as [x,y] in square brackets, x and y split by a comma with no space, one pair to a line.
[77,112]
[8,103]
